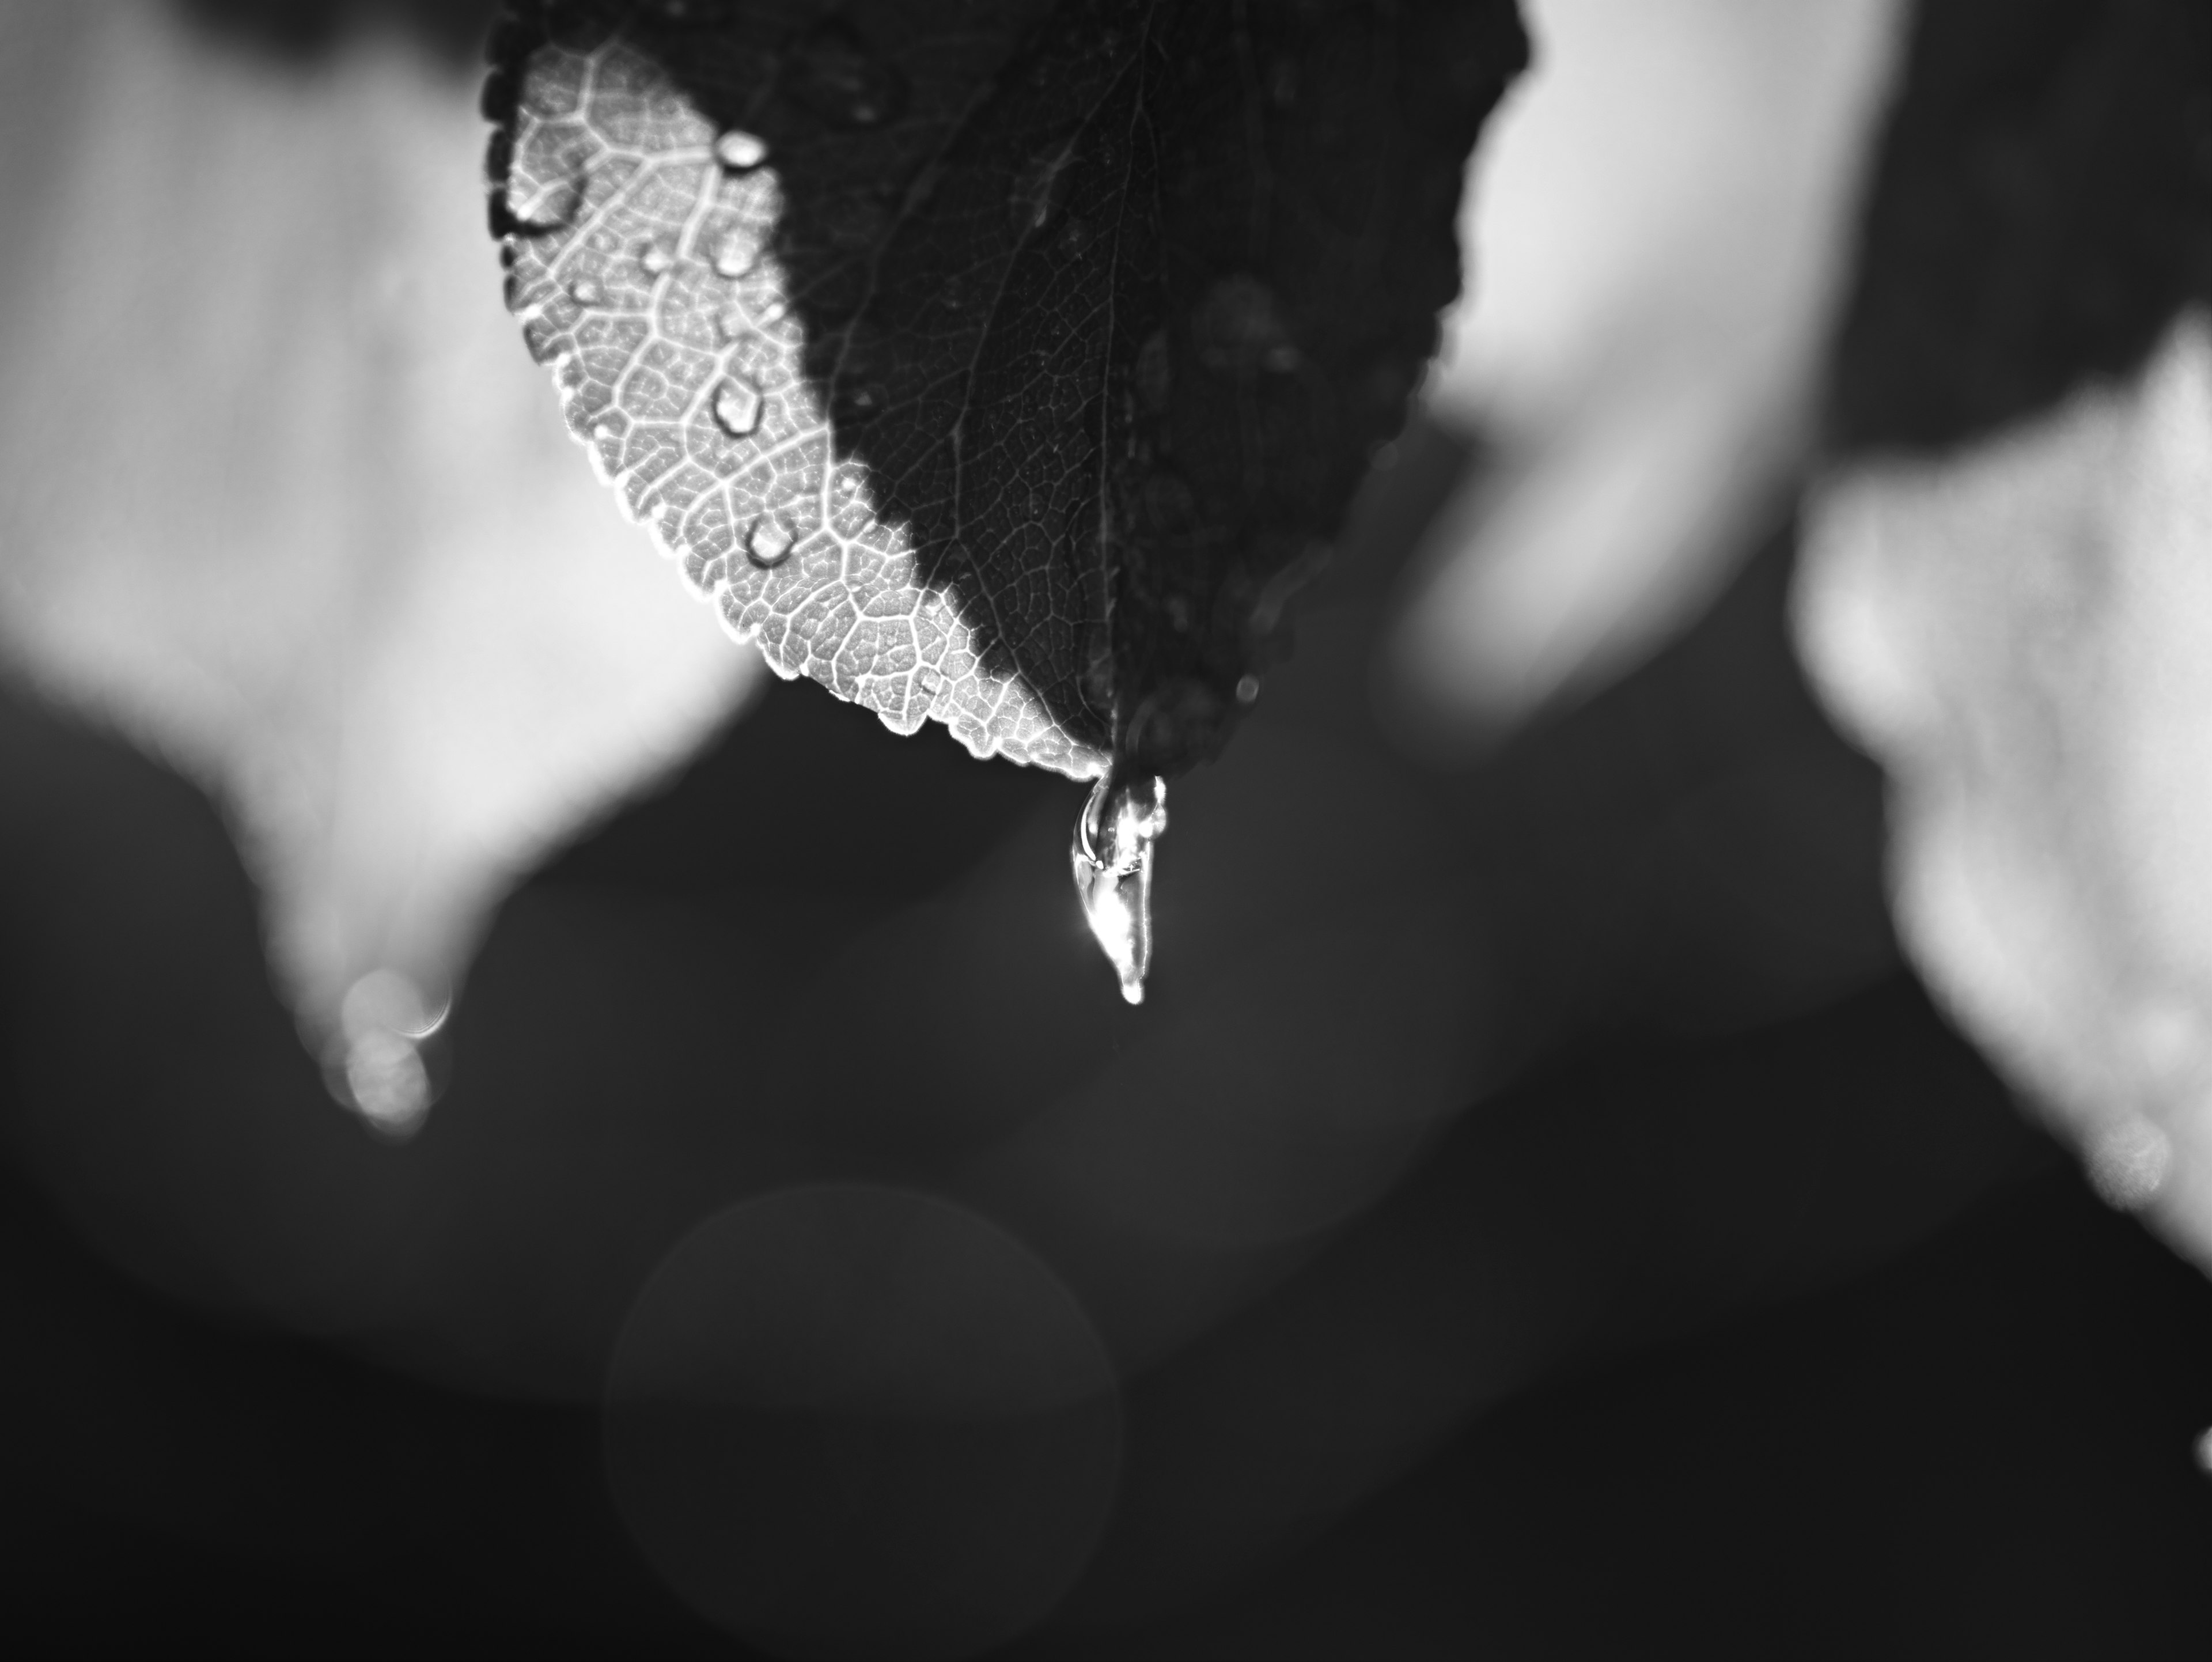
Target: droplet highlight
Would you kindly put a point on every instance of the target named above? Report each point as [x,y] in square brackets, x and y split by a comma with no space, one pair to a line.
[1111,857]
[736,406]
[656,257]
[585,292]
[769,544]
[1039,189]
[736,251]
[740,151]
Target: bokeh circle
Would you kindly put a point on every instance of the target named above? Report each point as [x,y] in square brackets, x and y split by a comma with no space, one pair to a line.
[854,1420]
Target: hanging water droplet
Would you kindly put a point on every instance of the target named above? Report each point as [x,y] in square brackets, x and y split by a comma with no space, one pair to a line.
[1248,689]
[1237,328]
[737,253]
[736,406]
[656,257]
[836,76]
[740,151]
[1039,189]
[1111,857]
[585,292]
[768,544]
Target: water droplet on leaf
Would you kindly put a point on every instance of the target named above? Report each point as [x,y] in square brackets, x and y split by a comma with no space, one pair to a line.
[740,151]
[768,544]
[656,257]
[1248,689]
[1039,189]
[737,253]
[834,74]
[585,292]
[736,406]
[1111,857]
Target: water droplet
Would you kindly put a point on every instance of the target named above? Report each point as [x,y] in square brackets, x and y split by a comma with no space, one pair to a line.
[740,151]
[836,76]
[1112,860]
[736,406]
[737,253]
[867,396]
[1237,328]
[656,257]
[768,544]
[585,292]
[770,310]
[1039,189]
[1248,689]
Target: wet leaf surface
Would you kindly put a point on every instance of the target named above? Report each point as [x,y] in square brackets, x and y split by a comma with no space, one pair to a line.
[1003,365]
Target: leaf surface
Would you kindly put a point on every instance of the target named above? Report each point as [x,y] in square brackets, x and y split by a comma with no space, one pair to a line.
[1006,365]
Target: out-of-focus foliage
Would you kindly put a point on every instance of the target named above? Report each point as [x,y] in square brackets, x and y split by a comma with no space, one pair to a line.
[280,500]
[1661,223]
[2005,593]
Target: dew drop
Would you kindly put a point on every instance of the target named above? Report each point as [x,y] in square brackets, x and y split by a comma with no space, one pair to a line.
[656,257]
[740,151]
[737,253]
[736,406]
[1248,689]
[835,75]
[1112,860]
[1237,328]
[770,310]
[768,544]
[1039,189]
[585,292]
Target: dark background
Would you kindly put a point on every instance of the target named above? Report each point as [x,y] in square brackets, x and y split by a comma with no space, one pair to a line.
[1761,1318]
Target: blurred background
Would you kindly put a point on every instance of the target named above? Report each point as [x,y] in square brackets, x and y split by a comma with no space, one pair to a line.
[1537,1209]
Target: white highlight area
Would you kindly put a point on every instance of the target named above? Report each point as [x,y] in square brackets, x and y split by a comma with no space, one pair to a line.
[1654,228]
[284,500]
[2018,631]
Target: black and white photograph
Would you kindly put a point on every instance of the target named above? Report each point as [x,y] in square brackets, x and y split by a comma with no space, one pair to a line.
[1055,830]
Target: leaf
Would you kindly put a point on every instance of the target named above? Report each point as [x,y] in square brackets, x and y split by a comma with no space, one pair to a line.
[1002,365]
